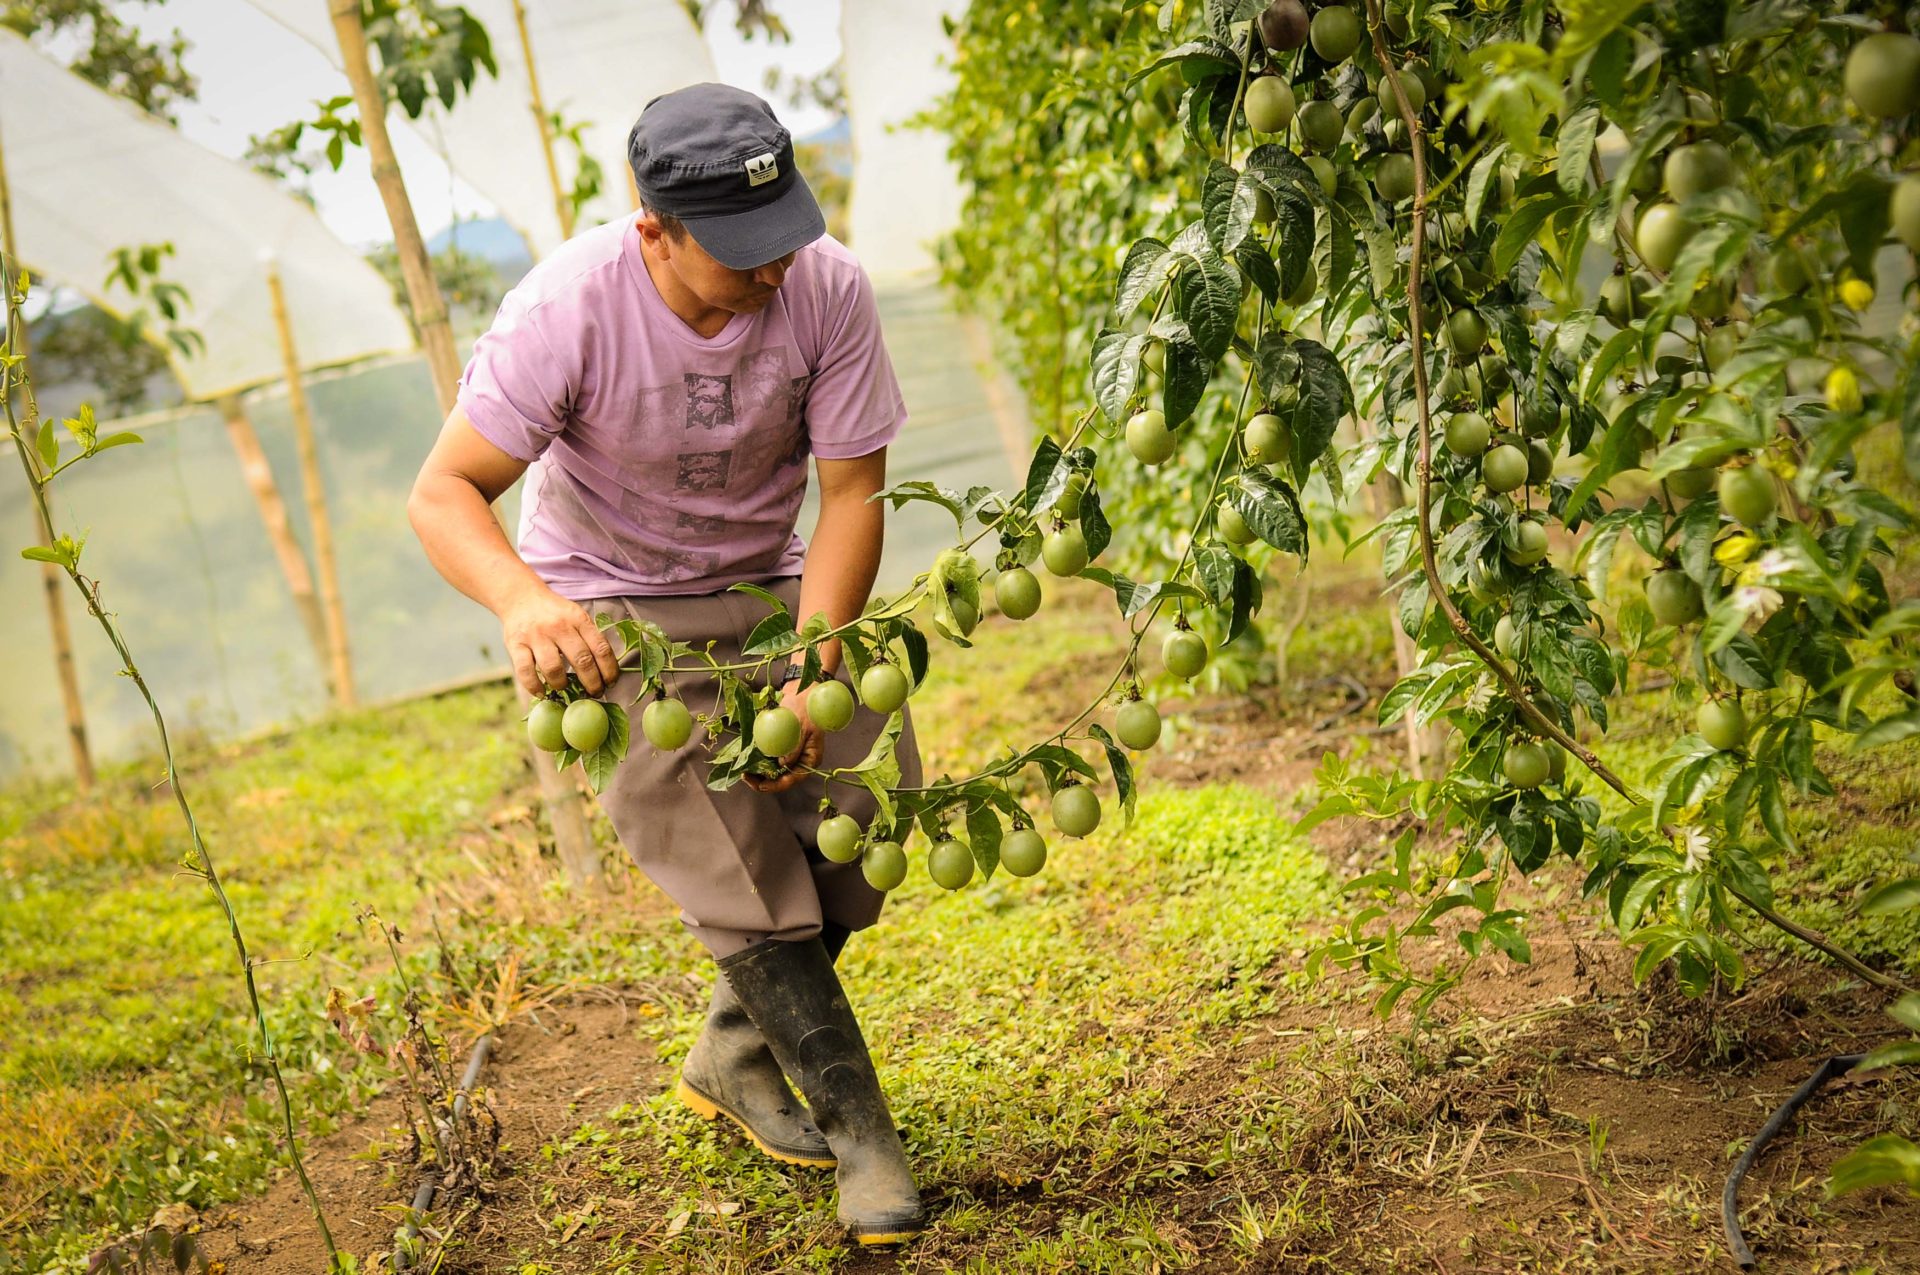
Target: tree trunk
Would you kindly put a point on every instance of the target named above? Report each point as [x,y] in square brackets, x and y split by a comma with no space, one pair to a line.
[339,661]
[572,840]
[273,513]
[562,206]
[416,268]
[50,575]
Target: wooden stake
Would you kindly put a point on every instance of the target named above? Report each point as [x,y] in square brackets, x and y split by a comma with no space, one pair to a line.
[50,575]
[339,661]
[416,268]
[565,809]
[562,206]
[273,514]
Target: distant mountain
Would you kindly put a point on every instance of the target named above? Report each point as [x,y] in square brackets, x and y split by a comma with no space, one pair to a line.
[487,237]
[838,133]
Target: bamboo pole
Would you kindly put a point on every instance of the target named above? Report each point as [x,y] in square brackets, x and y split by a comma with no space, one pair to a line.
[50,574]
[416,268]
[562,206]
[273,514]
[565,809]
[339,660]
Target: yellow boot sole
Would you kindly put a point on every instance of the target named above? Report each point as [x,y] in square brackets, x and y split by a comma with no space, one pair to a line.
[707,1109]
[895,1237]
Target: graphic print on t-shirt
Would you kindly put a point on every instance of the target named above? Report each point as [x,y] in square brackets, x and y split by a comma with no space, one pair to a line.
[709,401]
[762,382]
[699,524]
[704,471]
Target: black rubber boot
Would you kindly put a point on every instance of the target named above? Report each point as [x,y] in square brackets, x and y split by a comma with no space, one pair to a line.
[795,999]
[730,1072]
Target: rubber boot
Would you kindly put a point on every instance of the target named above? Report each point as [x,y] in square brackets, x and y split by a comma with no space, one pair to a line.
[730,1072]
[795,998]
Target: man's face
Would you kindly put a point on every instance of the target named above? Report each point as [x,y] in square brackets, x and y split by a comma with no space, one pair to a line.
[722,287]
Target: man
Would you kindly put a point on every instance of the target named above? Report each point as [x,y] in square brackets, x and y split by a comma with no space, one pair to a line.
[661,381]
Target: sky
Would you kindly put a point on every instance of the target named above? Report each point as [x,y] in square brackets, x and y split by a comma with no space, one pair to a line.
[255,76]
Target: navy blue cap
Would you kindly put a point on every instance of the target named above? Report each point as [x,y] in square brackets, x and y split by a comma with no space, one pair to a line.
[716,157]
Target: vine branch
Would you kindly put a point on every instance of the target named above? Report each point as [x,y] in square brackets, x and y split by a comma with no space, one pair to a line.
[1429,565]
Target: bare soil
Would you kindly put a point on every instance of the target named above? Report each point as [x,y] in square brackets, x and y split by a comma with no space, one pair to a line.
[1553,1116]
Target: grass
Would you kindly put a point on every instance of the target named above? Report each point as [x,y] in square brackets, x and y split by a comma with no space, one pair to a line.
[1111,1066]
[127,1080]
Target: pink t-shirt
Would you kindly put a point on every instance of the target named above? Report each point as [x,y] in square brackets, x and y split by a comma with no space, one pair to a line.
[664,462]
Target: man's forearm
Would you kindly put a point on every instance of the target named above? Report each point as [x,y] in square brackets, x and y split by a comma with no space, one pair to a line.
[842,560]
[466,544]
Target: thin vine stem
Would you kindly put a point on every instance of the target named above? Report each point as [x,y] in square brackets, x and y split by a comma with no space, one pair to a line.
[203,866]
[1429,564]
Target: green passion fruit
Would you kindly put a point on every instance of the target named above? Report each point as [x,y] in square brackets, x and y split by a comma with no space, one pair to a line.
[1663,231]
[1233,528]
[884,865]
[1673,597]
[883,688]
[1504,469]
[838,839]
[1393,178]
[585,725]
[1137,725]
[543,725]
[1526,765]
[1267,439]
[776,731]
[1335,33]
[1697,169]
[1468,434]
[1064,551]
[667,724]
[830,706]
[1076,810]
[1531,546]
[1149,439]
[1321,125]
[1023,852]
[1270,104]
[1722,723]
[1882,74]
[1747,494]
[950,864]
[1184,653]
[1018,593]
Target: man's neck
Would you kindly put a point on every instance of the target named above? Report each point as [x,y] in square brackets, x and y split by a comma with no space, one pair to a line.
[704,319]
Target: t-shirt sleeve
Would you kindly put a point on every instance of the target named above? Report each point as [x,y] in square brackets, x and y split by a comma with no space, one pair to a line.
[517,392]
[854,405]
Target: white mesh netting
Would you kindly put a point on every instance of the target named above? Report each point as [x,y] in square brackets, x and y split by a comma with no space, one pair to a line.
[599,61]
[91,173]
[906,193]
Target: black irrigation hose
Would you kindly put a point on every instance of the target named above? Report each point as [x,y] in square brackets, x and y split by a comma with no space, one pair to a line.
[423,1196]
[1730,1198]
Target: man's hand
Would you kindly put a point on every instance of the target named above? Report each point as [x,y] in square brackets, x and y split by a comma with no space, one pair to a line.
[813,743]
[549,636]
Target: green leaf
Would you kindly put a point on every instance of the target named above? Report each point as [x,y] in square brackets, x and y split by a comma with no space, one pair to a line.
[1116,371]
[1889,730]
[774,633]
[1522,225]
[1906,1011]
[48,445]
[1122,768]
[1886,1160]
[1187,374]
[1139,273]
[1204,49]
[1047,476]
[1575,149]
[1272,509]
[770,598]
[983,836]
[55,554]
[1894,896]
[1208,298]
[1325,397]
